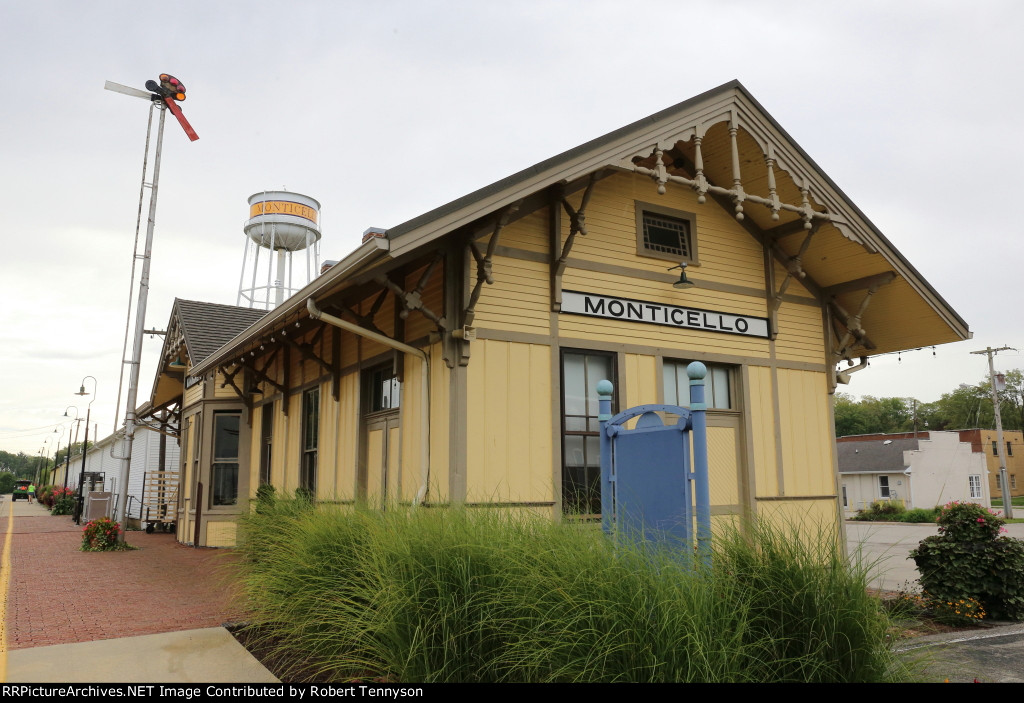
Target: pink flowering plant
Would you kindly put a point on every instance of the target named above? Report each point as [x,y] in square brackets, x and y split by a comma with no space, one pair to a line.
[969,522]
[972,558]
[63,501]
[101,536]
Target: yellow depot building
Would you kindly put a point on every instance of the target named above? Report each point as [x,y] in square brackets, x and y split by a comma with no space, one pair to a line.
[454,358]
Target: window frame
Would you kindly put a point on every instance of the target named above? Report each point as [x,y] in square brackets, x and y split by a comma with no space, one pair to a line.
[266,442]
[564,433]
[689,218]
[679,367]
[308,450]
[884,489]
[974,486]
[220,464]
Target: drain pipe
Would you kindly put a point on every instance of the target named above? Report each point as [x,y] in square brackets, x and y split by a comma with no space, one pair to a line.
[318,314]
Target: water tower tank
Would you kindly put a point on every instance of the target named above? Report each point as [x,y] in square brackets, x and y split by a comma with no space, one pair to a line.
[283,223]
[283,220]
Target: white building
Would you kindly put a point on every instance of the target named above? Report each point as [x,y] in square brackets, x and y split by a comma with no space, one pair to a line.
[152,452]
[922,473]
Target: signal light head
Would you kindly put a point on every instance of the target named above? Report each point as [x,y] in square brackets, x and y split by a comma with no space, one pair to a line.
[171,87]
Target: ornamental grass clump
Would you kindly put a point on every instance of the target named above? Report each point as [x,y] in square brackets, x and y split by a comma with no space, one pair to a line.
[971,559]
[495,595]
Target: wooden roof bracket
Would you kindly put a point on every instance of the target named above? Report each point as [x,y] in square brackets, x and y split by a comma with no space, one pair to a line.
[413,300]
[793,264]
[577,225]
[483,267]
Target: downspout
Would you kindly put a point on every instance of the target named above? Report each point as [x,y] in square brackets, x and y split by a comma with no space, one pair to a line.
[318,314]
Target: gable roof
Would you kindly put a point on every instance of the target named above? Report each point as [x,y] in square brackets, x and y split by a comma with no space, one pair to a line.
[208,326]
[197,330]
[874,456]
[782,193]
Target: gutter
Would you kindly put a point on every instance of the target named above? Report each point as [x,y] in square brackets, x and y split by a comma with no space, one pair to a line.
[318,314]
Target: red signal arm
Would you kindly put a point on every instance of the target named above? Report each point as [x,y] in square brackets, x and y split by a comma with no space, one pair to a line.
[173,106]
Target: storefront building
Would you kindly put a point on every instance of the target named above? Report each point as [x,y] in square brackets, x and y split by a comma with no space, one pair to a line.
[454,358]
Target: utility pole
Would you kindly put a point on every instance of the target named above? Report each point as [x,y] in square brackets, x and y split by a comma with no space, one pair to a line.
[1004,485]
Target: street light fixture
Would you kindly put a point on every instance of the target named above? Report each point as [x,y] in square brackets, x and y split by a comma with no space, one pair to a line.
[85,445]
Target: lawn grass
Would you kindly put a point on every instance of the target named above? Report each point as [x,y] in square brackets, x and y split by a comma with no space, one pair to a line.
[466,595]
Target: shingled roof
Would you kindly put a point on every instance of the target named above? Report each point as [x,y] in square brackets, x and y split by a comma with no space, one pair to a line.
[209,326]
[874,455]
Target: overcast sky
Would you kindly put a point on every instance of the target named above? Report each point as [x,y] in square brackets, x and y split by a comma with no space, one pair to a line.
[384,110]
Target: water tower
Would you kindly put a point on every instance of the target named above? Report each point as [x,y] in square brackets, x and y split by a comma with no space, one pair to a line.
[283,223]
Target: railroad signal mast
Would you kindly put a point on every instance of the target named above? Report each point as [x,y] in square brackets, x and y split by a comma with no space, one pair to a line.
[163,95]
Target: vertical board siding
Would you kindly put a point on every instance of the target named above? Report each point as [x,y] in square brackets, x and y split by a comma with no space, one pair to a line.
[763,430]
[807,444]
[509,430]
[641,383]
[723,465]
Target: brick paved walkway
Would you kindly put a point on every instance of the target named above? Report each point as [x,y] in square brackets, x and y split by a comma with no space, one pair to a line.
[60,595]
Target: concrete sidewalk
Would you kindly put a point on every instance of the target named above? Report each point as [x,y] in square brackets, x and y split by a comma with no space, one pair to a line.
[152,614]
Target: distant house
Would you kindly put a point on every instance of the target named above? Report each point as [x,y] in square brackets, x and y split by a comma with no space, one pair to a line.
[922,472]
[984,442]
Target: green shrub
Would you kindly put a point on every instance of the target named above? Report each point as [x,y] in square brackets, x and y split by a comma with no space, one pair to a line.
[970,558]
[445,594]
[919,515]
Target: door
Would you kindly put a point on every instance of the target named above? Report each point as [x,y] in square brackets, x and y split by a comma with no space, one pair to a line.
[380,474]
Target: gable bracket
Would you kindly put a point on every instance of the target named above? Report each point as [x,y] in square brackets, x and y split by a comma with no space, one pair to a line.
[483,264]
[413,300]
[793,264]
[306,349]
[854,330]
[262,375]
[577,222]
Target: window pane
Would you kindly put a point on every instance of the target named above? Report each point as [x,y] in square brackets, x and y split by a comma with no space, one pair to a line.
[225,483]
[574,384]
[670,383]
[599,368]
[666,234]
[720,388]
[225,436]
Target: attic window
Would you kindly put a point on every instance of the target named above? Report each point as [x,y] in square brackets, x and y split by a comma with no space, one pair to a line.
[664,233]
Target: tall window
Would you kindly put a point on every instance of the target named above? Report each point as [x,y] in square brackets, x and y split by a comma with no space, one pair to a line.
[995,448]
[310,440]
[225,457]
[266,442]
[581,447]
[846,503]
[883,487]
[974,483]
[1009,449]
[717,385]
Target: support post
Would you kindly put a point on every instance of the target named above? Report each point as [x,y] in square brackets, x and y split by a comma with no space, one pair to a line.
[696,372]
[604,410]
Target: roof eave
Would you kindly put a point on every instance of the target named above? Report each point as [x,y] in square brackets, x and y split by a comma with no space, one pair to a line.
[370,251]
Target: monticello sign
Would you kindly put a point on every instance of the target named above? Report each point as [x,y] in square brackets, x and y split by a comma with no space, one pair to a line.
[594,305]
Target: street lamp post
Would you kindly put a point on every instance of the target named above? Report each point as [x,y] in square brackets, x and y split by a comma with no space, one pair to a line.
[67,463]
[85,446]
